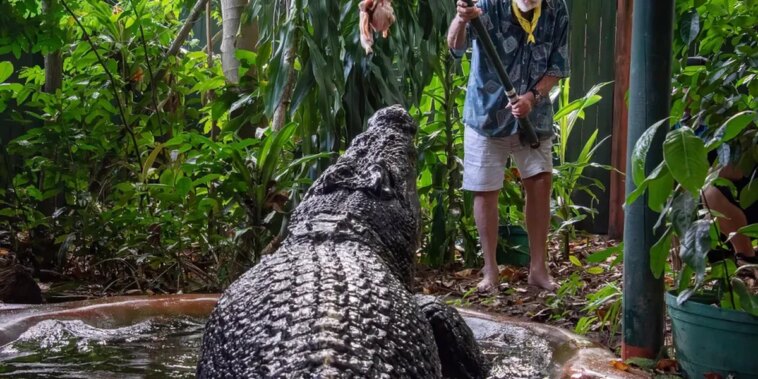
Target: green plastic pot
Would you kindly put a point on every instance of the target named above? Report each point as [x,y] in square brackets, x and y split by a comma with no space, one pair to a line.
[514,247]
[710,339]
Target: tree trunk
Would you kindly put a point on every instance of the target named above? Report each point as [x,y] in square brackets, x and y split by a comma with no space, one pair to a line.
[186,28]
[280,113]
[231,14]
[53,71]
[53,82]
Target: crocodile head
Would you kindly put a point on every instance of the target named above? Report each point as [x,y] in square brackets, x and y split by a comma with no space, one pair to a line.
[369,194]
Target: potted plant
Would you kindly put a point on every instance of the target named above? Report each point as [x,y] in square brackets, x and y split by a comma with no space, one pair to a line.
[513,241]
[712,126]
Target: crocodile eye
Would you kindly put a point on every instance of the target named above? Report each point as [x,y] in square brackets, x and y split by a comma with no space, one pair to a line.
[382,185]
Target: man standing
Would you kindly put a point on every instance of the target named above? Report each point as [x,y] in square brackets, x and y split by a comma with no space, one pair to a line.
[531,37]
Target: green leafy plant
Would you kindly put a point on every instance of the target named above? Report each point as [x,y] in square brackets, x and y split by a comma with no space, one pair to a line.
[179,206]
[568,178]
[152,173]
[713,112]
[603,309]
[558,303]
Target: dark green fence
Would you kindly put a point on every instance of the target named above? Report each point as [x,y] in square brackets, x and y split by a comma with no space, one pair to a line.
[592,49]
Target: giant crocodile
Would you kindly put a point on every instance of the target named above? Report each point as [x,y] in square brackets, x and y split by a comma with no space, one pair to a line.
[335,299]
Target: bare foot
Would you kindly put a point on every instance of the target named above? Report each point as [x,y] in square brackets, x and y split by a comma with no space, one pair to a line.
[541,279]
[490,282]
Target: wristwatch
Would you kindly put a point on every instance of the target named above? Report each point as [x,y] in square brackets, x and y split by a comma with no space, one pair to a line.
[537,95]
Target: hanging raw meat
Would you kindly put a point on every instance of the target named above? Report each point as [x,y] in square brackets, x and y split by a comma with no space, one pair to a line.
[377,15]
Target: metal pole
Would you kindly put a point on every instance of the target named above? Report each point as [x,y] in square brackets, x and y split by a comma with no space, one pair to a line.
[489,50]
[649,100]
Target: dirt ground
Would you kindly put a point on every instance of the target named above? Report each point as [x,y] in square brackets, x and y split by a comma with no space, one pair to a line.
[592,265]
[563,307]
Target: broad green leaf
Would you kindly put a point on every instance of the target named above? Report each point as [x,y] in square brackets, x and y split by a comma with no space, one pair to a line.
[566,110]
[659,191]
[246,56]
[11,87]
[6,69]
[208,84]
[205,179]
[692,70]
[658,254]
[748,301]
[149,162]
[167,178]
[731,128]
[641,188]
[207,204]
[695,246]
[297,163]
[685,278]
[686,158]
[639,154]
[689,26]
[595,270]
[575,261]
[683,212]
[183,186]
[749,230]
[602,255]
[659,170]
[749,194]
[269,157]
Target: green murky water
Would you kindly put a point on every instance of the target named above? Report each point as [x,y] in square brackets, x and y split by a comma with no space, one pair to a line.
[168,348]
[73,349]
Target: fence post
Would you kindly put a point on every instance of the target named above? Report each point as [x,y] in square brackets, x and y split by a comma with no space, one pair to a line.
[649,102]
[620,117]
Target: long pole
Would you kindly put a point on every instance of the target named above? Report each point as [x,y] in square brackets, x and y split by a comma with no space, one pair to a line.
[649,99]
[489,50]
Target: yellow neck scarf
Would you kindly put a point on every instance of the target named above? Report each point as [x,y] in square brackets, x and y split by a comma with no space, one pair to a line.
[529,27]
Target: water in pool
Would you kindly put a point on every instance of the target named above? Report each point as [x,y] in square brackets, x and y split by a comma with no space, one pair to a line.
[168,348]
[72,349]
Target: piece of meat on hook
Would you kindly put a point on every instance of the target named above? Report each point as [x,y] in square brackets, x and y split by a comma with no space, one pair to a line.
[377,15]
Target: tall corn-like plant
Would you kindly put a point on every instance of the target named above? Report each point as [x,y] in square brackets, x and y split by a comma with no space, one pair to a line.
[440,146]
[337,86]
[568,178]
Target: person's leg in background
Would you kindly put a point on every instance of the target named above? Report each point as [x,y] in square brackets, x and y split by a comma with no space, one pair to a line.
[537,214]
[484,162]
[734,218]
[487,223]
[536,166]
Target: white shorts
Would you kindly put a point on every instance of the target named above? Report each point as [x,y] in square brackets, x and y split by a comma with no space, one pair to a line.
[484,160]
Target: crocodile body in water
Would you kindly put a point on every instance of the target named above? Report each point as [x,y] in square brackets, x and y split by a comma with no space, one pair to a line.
[335,300]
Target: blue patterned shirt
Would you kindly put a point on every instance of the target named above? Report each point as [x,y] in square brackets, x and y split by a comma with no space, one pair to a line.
[526,63]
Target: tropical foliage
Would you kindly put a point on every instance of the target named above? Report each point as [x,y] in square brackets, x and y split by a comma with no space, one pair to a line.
[713,112]
[149,170]
[146,168]
[568,178]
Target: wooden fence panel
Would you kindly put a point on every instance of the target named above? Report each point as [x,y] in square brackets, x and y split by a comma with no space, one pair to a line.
[592,45]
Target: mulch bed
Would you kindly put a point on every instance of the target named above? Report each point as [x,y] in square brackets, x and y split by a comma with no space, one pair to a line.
[563,307]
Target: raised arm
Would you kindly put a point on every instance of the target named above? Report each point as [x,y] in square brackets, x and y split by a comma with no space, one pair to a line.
[456,35]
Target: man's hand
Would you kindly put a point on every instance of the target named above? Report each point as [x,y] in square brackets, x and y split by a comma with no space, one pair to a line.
[523,106]
[466,13]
